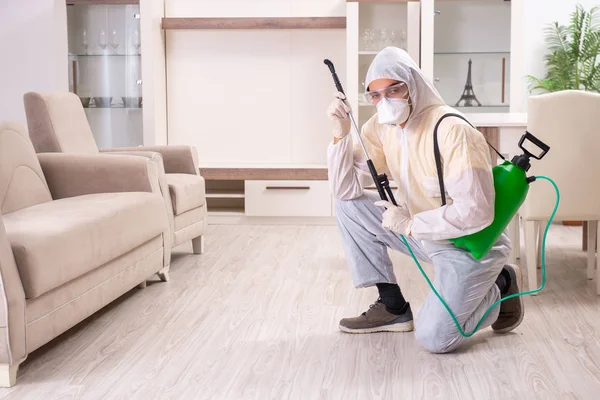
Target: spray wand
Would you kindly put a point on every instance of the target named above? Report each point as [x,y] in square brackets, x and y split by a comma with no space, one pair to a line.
[382,182]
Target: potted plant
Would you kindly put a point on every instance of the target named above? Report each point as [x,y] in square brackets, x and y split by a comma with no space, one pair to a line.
[572,61]
[573,57]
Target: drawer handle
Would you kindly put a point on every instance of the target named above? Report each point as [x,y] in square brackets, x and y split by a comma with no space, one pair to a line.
[288,187]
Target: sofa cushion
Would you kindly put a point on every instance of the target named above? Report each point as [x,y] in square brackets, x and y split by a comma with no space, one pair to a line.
[58,241]
[187,192]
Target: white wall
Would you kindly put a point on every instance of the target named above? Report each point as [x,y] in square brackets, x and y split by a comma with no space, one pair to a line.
[536,15]
[33,44]
[253,96]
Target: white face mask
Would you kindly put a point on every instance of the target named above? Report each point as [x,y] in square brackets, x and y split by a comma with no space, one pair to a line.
[393,111]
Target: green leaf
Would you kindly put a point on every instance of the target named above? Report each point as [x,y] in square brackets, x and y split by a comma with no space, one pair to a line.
[572,54]
[557,37]
[544,85]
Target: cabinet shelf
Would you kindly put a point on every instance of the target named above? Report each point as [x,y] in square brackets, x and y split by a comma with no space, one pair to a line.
[255,23]
[471,53]
[380,1]
[105,2]
[117,107]
[225,194]
[482,106]
[227,212]
[264,173]
[105,55]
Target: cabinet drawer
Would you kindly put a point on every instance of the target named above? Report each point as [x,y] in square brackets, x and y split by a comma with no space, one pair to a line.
[288,199]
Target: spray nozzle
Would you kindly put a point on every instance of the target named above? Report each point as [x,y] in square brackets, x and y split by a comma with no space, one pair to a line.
[522,161]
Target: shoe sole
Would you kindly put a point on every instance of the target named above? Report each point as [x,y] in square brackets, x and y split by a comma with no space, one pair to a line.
[519,276]
[398,327]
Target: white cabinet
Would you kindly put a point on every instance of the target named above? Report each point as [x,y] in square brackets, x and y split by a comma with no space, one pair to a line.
[288,199]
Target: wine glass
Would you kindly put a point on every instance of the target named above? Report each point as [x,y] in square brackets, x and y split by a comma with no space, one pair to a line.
[114,41]
[384,38]
[136,41]
[102,39]
[391,37]
[85,41]
[368,39]
[402,38]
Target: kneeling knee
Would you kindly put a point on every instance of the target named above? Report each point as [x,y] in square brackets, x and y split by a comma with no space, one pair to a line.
[437,340]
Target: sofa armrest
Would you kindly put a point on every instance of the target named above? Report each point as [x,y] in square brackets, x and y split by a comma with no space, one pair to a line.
[164,190]
[156,158]
[13,348]
[177,159]
[70,175]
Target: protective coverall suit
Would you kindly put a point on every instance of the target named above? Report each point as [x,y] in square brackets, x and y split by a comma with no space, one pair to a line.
[407,156]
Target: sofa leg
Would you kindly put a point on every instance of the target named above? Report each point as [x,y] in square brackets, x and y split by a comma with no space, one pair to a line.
[143,285]
[163,274]
[198,244]
[8,375]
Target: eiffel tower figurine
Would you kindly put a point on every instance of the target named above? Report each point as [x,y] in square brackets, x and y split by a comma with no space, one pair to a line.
[468,94]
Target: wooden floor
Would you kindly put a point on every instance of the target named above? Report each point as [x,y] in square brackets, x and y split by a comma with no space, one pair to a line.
[256,318]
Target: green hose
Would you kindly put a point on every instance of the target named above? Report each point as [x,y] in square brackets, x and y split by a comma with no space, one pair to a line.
[462,332]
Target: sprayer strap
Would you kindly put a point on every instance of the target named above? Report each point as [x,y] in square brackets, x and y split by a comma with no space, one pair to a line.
[438,157]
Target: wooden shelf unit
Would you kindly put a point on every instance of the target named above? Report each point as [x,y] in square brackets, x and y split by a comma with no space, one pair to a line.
[261,173]
[226,186]
[255,23]
[225,196]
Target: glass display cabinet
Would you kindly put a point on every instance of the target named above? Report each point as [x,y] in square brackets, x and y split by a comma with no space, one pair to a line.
[371,26]
[471,60]
[105,69]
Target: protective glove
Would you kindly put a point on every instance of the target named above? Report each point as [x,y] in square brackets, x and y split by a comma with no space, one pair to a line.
[338,112]
[395,218]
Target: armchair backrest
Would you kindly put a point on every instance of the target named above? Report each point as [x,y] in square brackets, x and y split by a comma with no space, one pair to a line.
[568,122]
[58,124]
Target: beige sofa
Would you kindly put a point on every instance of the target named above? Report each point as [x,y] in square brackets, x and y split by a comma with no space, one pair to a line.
[57,123]
[76,232]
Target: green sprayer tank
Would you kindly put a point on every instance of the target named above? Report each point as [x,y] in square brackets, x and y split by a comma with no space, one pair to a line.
[511,185]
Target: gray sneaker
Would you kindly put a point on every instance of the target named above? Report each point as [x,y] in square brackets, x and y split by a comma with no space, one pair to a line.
[512,310]
[378,319]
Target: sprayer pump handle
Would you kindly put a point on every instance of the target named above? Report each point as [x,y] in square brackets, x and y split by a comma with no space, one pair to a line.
[543,146]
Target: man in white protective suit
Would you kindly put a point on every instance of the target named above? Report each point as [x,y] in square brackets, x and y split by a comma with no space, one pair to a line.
[399,140]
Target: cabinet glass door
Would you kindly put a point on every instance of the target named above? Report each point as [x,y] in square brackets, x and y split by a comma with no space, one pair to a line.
[379,25]
[105,70]
[472,54]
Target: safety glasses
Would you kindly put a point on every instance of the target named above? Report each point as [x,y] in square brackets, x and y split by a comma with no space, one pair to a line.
[396,91]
